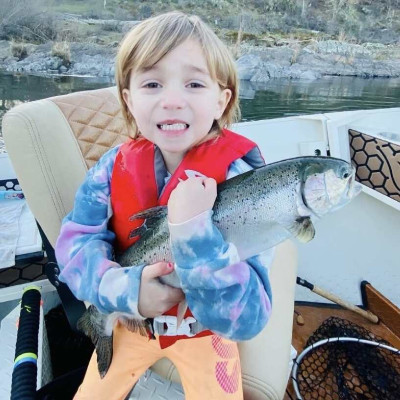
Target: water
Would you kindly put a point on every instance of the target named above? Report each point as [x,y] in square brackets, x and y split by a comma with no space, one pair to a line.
[281,98]
[276,98]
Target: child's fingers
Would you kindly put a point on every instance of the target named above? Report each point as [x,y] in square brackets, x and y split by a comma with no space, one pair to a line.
[156,270]
[173,296]
[210,184]
[155,297]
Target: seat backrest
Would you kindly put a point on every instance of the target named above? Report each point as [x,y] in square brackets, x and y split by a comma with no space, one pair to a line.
[53,142]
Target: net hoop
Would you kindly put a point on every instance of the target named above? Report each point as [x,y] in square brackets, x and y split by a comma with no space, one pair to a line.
[331,340]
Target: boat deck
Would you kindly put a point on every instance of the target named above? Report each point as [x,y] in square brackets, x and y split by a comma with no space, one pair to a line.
[306,319]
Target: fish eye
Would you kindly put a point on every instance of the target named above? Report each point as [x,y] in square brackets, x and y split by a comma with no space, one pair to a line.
[345,173]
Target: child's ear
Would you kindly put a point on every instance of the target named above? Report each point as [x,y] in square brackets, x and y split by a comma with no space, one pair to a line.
[223,101]
[127,98]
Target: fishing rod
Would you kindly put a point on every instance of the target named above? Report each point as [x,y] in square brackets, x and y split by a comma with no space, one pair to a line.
[345,304]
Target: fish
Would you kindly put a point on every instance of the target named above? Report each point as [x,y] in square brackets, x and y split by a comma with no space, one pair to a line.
[255,211]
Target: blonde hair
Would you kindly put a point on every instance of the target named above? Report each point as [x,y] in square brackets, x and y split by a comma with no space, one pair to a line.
[149,41]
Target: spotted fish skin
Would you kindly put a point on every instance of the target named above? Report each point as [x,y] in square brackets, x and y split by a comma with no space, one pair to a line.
[256,211]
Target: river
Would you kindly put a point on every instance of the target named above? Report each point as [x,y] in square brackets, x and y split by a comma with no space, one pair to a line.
[276,98]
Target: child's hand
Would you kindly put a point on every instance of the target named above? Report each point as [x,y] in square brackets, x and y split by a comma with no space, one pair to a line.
[155,297]
[191,198]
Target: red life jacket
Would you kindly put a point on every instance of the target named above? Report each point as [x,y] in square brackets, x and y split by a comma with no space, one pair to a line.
[134,187]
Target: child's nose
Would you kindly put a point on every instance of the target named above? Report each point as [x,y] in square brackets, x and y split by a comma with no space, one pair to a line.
[173,99]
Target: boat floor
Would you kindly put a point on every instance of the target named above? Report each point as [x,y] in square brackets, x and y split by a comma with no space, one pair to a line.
[315,315]
[154,387]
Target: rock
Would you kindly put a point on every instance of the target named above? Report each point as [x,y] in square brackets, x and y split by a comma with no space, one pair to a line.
[54,63]
[299,72]
[339,48]
[247,90]
[5,51]
[257,64]
[282,55]
[247,66]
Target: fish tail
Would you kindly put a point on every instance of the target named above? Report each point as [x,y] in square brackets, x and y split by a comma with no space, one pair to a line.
[104,352]
[92,324]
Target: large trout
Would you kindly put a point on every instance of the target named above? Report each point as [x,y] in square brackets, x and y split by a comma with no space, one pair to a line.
[256,211]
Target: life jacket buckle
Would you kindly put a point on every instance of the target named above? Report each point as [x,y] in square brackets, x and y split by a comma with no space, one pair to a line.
[166,325]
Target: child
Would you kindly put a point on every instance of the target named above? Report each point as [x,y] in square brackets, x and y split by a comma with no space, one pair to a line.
[178,88]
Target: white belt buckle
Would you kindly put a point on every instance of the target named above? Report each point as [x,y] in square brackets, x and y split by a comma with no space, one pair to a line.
[172,329]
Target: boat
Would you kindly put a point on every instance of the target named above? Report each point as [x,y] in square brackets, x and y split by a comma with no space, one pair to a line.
[355,244]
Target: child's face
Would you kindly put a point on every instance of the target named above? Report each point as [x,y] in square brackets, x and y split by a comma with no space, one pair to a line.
[175,102]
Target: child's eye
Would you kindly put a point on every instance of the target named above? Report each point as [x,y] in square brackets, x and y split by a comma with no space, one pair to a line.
[152,85]
[194,85]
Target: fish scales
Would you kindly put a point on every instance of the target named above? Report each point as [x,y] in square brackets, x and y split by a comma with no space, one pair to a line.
[247,205]
[256,211]
[261,205]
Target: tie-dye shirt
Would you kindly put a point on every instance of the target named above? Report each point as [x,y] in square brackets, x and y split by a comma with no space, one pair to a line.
[228,296]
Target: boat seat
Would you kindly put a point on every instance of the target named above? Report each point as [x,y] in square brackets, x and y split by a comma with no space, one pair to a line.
[52,143]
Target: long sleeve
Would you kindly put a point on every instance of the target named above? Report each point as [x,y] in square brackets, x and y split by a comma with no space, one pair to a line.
[84,249]
[228,296]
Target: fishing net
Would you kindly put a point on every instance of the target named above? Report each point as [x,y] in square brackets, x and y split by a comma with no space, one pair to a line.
[353,364]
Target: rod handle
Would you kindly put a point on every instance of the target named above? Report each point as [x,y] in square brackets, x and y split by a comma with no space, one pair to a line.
[366,314]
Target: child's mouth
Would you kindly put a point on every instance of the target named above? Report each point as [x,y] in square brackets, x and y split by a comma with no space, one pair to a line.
[172,127]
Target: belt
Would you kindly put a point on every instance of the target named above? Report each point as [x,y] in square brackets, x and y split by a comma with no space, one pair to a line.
[165,326]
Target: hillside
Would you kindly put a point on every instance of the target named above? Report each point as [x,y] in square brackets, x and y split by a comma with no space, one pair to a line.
[343,37]
[349,20]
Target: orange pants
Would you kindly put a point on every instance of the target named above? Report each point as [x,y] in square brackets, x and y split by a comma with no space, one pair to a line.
[209,367]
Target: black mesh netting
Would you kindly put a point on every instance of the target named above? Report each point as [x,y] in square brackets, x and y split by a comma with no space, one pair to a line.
[348,370]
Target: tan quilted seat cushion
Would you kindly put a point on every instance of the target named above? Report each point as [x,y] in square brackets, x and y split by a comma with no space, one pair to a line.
[96,120]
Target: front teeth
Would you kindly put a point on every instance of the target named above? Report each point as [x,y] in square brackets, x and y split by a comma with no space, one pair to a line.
[172,127]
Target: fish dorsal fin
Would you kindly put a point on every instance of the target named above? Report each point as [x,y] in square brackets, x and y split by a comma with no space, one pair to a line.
[154,212]
[303,229]
[151,216]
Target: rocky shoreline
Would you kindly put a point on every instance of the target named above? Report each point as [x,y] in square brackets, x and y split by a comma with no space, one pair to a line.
[255,63]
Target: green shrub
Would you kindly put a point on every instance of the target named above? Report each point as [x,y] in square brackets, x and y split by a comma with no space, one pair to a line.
[26,20]
[63,51]
[19,50]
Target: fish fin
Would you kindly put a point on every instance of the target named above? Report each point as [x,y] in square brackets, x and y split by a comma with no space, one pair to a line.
[135,325]
[151,216]
[92,324]
[182,307]
[84,323]
[303,229]
[151,213]
[104,352]
[140,231]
